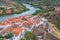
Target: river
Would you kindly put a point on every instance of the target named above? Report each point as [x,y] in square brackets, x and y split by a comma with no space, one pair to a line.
[31,11]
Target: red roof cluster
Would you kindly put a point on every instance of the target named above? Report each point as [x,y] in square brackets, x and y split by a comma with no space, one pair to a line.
[16,29]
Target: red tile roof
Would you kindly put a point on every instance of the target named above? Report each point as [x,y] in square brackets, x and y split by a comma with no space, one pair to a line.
[9,29]
[16,31]
[30,22]
[36,20]
[4,22]
[19,20]
[27,25]
[12,19]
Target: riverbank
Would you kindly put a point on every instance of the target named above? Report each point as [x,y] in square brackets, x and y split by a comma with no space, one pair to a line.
[37,6]
[12,11]
[43,8]
[28,12]
[45,13]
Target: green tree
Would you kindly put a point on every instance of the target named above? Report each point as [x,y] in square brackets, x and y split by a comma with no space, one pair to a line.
[2,8]
[1,37]
[9,35]
[24,19]
[22,39]
[29,35]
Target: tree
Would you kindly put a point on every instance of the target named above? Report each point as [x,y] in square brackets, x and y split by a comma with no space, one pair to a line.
[29,35]
[1,37]
[24,19]
[22,39]
[2,8]
[9,35]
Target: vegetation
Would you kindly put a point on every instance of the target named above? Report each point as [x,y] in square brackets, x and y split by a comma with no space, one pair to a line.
[53,18]
[2,8]
[38,5]
[9,35]
[24,19]
[37,12]
[47,10]
[46,2]
[58,25]
[22,39]
[21,8]
[1,37]
[43,10]
[50,2]
[29,35]
[50,7]
[58,22]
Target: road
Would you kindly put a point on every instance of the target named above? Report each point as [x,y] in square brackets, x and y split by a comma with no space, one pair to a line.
[54,31]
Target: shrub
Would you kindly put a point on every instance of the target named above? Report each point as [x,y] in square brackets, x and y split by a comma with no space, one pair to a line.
[1,37]
[9,35]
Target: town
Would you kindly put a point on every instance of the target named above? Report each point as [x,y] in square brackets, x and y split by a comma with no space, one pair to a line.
[29,20]
[15,28]
[18,26]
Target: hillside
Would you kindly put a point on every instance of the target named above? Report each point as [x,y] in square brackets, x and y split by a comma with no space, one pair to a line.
[54,18]
[8,3]
[8,7]
[46,2]
[51,9]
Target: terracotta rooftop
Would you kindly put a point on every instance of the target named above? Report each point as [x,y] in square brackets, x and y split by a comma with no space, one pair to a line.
[19,20]
[36,20]
[27,25]
[30,22]
[17,30]
[4,22]
[9,29]
[12,19]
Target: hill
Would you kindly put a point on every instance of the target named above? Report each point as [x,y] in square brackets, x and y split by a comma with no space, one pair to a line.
[52,15]
[8,7]
[46,2]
